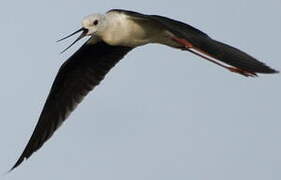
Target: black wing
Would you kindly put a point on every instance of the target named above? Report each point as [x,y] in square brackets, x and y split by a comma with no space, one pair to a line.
[77,76]
[206,45]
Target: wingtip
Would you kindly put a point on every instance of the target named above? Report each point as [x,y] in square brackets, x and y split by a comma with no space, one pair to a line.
[270,70]
[19,161]
[10,170]
[275,71]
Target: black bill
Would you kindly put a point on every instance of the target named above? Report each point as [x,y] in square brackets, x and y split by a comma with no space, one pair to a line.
[84,33]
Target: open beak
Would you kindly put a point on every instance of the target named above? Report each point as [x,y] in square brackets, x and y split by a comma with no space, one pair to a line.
[83,34]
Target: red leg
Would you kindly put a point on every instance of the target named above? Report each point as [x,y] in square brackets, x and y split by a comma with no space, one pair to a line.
[183,42]
[189,47]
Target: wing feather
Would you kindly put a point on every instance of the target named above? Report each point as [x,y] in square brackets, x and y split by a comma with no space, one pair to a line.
[202,42]
[77,76]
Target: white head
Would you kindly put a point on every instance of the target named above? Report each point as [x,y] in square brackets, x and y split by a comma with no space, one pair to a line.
[92,25]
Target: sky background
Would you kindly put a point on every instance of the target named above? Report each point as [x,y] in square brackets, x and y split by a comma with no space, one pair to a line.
[160,113]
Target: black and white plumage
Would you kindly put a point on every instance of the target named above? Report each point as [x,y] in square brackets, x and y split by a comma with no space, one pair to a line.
[113,35]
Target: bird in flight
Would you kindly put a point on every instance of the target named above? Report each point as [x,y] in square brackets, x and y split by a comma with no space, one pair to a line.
[112,36]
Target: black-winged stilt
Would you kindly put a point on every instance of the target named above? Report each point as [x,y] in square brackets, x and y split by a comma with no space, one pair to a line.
[112,36]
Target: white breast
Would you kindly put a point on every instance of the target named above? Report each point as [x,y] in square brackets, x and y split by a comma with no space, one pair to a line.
[121,30]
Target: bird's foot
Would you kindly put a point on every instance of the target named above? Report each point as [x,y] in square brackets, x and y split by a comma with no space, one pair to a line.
[242,72]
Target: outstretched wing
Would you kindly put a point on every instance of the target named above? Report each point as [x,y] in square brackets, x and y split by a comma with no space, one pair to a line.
[200,43]
[77,76]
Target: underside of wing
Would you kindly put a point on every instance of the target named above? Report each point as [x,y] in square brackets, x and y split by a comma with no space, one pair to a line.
[77,76]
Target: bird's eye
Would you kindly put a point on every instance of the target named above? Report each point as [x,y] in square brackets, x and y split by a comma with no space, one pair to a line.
[95,22]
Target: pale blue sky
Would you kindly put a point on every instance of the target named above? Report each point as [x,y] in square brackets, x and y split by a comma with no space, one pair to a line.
[160,113]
